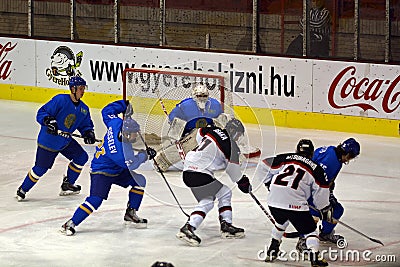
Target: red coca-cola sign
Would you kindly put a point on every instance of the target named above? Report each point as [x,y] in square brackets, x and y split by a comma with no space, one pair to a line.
[5,65]
[365,93]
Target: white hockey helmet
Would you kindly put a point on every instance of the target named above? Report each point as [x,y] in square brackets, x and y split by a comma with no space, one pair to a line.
[200,95]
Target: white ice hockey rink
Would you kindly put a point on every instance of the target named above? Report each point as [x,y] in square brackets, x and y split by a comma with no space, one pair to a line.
[368,188]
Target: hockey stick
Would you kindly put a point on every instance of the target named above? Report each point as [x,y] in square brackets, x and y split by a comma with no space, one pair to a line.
[287,235]
[74,135]
[351,228]
[163,176]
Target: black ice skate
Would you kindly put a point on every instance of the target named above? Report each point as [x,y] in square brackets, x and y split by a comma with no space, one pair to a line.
[68,228]
[230,231]
[273,250]
[301,247]
[316,261]
[331,237]
[131,219]
[20,194]
[187,235]
[69,189]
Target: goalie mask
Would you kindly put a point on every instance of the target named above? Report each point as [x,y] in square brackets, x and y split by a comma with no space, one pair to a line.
[200,95]
[130,129]
[305,148]
[235,129]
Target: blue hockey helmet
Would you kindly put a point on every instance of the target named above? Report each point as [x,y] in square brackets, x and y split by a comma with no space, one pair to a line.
[130,126]
[351,147]
[305,148]
[75,81]
[129,130]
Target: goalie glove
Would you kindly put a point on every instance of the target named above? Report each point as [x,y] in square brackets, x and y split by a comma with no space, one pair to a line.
[151,153]
[51,123]
[244,184]
[327,213]
[89,137]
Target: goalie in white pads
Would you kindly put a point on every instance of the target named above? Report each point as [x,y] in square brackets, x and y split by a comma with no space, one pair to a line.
[191,113]
[198,111]
[217,149]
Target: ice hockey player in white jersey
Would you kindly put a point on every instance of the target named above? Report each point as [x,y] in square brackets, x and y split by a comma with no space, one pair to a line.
[217,150]
[292,178]
[332,159]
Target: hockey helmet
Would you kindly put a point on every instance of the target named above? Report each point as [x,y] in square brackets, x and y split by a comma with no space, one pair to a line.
[351,147]
[162,264]
[129,128]
[235,129]
[305,148]
[76,81]
[200,95]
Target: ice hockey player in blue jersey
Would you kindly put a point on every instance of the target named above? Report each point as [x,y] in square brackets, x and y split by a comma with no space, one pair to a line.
[114,162]
[331,159]
[198,111]
[65,113]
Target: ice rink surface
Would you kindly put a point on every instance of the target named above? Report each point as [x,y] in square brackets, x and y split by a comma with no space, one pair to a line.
[368,188]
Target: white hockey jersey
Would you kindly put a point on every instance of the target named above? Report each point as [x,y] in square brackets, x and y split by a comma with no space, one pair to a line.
[215,151]
[294,179]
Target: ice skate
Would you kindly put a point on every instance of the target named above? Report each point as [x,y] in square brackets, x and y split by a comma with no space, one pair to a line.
[131,219]
[187,235]
[68,228]
[69,189]
[20,194]
[316,261]
[230,231]
[301,247]
[331,237]
[273,250]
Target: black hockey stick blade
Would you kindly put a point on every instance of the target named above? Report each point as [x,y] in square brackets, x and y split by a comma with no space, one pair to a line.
[351,228]
[358,232]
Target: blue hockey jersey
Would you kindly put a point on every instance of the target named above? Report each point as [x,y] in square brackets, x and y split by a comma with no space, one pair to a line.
[195,118]
[112,156]
[70,116]
[326,157]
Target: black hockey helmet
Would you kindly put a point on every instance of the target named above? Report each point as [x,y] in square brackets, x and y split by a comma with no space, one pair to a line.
[162,264]
[234,128]
[305,148]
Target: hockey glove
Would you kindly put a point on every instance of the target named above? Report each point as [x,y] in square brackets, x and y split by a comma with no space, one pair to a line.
[244,184]
[332,199]
[51,123]
[327,213]
[89,137]
[151,153]
[129,110]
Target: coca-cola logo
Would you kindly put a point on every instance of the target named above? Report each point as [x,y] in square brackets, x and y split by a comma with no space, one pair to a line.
[364,93]
[5,65]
